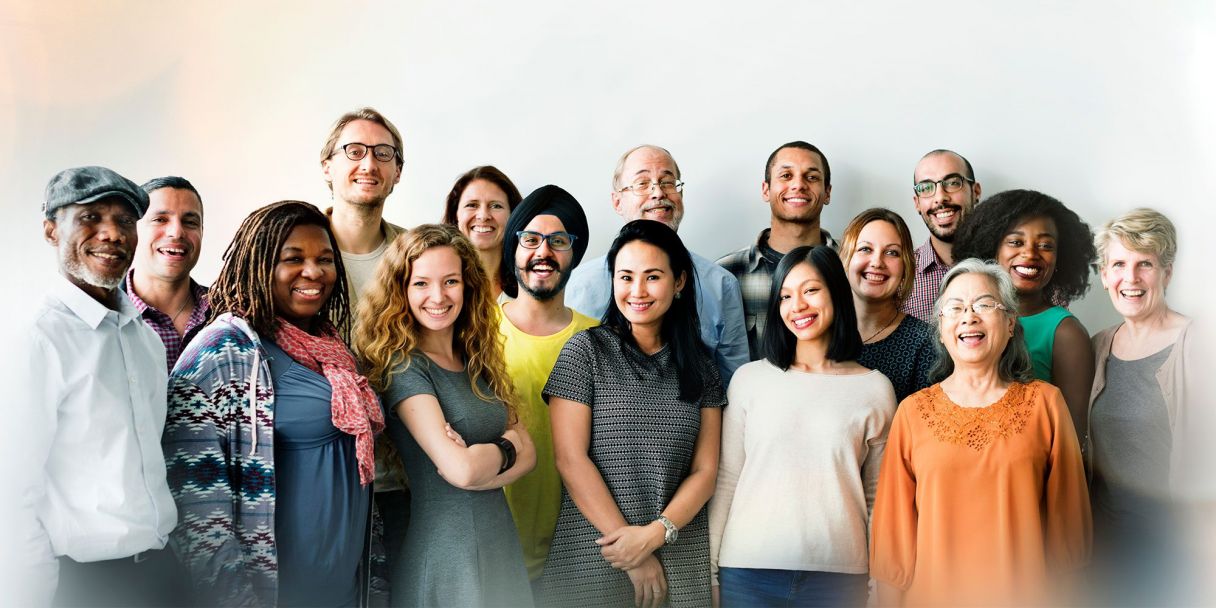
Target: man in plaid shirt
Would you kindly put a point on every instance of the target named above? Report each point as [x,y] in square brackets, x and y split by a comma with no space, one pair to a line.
[797,185]
[159,283]
[943,190]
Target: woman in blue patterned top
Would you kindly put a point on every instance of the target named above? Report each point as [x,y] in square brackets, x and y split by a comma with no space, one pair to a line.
[270,427]
[877,253]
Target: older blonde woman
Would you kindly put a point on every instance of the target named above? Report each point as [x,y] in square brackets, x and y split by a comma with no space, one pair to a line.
[981,495]
[1138,407]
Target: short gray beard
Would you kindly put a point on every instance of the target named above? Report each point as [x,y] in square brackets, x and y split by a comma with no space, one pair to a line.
[74,267]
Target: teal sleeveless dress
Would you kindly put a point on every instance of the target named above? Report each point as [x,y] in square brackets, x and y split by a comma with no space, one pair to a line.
[1040,333]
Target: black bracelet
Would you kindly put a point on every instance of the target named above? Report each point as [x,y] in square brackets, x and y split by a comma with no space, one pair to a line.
[508,453]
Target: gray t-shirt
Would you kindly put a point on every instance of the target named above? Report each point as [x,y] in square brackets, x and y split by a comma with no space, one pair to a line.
[462,548]
[1131,442]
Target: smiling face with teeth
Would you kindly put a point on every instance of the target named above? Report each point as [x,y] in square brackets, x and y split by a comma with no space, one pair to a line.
[806,304]
[944,211]
[796,191]
[435,290]
[654,165]
[481,214]
[643,285]
[1135,281]
[170,235]
[973,339]
[304,275]
[542,273]
[95,244]
[1028,252]
[875,266]
[365,182]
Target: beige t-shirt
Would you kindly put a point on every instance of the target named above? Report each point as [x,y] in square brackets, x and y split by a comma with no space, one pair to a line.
[360,270]
[798,470]
[361,267]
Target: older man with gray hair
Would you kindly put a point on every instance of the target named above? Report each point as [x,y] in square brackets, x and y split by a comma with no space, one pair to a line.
[87,394]
[646,186]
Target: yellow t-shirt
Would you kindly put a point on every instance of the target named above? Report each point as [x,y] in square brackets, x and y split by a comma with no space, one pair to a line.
[536,497]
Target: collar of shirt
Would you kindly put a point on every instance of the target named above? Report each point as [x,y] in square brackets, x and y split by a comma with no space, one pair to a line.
[89,310]
[762,251]
[390,231]
[926,256]
[201,303]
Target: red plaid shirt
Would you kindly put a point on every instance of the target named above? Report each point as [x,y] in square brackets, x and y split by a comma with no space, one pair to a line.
[162,323]
[929,272]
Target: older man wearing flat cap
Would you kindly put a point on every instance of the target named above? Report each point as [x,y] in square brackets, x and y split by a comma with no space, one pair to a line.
[94,510]
[545,240]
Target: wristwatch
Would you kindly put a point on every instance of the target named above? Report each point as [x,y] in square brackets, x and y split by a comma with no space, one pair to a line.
[671,532]
[508,453]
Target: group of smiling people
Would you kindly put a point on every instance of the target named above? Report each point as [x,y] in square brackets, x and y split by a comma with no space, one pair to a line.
[991,454]
[932,461]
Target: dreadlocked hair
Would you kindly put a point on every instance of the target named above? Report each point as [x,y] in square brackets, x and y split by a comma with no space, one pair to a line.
[245,285]
[386,333]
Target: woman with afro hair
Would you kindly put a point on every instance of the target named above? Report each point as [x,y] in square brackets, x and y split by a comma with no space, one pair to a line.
[1048,252]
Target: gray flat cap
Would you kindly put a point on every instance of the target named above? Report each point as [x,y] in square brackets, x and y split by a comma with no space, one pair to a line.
[84,185]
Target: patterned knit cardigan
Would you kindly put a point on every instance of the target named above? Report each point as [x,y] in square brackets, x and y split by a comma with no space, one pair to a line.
[219,448]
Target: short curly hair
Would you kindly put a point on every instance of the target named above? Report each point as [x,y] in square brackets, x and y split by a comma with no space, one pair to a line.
[981,232]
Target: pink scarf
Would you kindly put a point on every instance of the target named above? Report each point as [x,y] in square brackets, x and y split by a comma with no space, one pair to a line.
[355,407]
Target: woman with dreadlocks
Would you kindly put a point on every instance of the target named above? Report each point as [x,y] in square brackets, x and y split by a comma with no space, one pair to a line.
[269,433]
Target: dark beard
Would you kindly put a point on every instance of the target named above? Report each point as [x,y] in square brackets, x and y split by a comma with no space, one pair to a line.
[543,295]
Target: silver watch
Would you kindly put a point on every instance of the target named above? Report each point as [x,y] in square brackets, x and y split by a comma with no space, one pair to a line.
[671,532]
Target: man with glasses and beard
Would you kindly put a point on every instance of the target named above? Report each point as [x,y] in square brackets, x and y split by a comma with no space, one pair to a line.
[546,237]
[943,190]
[797,186]
[361,162]
[646,185]
[87,386]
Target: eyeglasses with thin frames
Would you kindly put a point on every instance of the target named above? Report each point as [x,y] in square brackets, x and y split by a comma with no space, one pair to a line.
[643,187]
[984,307]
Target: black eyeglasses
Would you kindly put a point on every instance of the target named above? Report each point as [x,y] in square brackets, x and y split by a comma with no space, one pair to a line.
[381,152]
[950,183]
[558,241]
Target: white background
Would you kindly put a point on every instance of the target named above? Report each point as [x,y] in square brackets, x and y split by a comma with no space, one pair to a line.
[1105,104]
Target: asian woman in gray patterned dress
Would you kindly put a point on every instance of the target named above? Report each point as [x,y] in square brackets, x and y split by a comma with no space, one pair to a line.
[636,410]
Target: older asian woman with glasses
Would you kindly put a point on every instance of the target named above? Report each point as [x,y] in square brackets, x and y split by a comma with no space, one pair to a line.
[981,495]
[1138,408]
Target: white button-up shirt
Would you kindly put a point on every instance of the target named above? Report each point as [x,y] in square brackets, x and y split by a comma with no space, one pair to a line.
[87,388]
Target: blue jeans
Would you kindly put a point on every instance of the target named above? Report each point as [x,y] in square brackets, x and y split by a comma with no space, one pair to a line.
[758,587]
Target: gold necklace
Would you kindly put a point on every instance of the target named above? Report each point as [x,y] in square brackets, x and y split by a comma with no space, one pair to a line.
[884,328]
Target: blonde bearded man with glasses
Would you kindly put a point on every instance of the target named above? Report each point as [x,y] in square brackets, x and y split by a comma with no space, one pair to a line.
[646,186]
[943,190]
[361,162]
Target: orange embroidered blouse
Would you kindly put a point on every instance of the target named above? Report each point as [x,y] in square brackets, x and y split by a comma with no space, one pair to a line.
[980,506]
